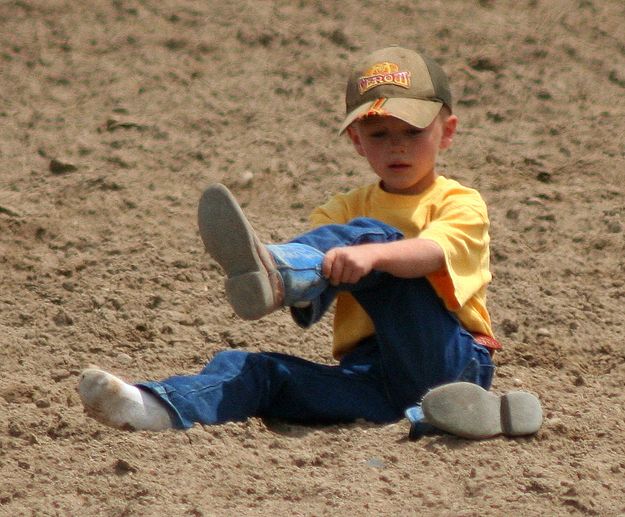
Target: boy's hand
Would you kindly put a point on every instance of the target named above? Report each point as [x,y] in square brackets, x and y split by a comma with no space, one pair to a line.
[348,265]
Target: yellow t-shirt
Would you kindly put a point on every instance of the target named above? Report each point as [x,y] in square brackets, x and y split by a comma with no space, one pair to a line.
[447,213]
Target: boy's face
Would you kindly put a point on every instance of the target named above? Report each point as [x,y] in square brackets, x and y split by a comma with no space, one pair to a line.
[403,156]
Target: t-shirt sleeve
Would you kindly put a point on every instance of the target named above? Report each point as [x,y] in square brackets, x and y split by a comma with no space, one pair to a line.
[460,228]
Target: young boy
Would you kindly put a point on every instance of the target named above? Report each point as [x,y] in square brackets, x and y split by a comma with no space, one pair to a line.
[407,261]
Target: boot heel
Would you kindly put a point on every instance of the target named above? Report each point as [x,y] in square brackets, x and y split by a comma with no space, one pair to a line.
[521,414]
[250,295]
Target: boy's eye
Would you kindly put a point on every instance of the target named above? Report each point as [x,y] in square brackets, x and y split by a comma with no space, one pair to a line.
[377,134]
[414,131]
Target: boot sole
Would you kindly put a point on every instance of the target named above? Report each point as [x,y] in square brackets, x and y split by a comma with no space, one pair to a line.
[469,411]
[230,239]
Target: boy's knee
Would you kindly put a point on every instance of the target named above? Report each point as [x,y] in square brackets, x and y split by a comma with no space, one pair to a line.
[227,359]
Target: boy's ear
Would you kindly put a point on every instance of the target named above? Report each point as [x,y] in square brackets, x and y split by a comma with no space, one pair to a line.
[450,124]
[355,138]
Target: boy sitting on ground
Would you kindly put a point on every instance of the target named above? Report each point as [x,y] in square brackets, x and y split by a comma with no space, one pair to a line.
[407,260]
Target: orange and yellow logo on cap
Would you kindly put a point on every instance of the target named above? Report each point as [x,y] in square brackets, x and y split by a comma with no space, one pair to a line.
[383,73]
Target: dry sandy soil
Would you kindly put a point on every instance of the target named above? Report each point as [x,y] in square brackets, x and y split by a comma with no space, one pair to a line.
[115,114]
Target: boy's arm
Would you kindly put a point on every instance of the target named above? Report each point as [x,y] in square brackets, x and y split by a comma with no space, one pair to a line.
[408,258]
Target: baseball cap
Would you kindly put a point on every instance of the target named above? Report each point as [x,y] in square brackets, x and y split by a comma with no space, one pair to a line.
[398,82]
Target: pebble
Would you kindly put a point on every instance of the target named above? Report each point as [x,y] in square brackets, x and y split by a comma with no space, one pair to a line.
[122,467]
[58,167]
[246,178]
[59,374]
[98,301]
[9,211]
[543,332]
[534,201]
[512,214]
[124,358]
[42,403]
[376,463]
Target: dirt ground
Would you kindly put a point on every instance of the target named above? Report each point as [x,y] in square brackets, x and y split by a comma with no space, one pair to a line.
[115,114]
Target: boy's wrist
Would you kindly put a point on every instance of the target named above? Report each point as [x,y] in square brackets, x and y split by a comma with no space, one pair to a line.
[379,259]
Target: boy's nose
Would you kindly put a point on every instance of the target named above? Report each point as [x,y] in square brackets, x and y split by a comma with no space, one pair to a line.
[397,141]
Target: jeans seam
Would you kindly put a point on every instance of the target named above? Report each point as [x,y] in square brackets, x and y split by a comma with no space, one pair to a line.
[316,269]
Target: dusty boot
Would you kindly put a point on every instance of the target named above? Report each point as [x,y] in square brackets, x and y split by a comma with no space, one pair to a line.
[469,411]
[299,266]
[261,278]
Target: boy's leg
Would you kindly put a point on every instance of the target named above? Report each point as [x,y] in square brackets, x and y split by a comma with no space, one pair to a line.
[236,385]
[422,344]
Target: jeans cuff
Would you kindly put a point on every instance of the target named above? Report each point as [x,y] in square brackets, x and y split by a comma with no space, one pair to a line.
[307,316]
[156,389]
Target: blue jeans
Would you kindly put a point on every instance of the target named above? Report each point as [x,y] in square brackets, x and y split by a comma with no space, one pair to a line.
[418,344]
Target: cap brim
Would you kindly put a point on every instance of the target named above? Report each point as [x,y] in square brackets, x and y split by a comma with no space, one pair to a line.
[416,112]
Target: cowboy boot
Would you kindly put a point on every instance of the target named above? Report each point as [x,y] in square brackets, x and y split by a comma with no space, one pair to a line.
[261,278]
[468,410]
